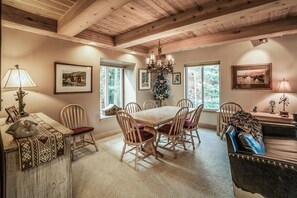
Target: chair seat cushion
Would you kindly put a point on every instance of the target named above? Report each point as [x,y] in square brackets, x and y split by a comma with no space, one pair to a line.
[165,128]
[188,123]
[144,135]
[81,130]
[140,126]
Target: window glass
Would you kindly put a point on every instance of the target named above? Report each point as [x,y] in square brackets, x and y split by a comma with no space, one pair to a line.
[111,85]
[203,85]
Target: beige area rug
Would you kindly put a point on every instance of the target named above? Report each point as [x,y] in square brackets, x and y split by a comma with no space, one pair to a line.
[203,172]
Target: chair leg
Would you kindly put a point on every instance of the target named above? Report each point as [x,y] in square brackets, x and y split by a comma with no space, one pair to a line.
[173,144]
[223,133]
[136,158]
[198,135]
[94,142]
[183,142]
[123,151]
[192,139]
[158,139]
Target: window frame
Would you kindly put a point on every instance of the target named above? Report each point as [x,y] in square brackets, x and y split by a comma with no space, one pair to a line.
[106,97]
[203,65]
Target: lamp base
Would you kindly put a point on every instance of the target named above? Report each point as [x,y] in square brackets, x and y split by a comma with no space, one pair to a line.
[24,114]
[284,114]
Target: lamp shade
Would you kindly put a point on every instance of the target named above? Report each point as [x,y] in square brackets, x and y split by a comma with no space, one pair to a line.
[17,78]
[284,86]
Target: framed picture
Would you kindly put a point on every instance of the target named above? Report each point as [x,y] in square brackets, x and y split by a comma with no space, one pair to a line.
[145,80]
[176,78]
[70,78]
[252,76]
[13,114]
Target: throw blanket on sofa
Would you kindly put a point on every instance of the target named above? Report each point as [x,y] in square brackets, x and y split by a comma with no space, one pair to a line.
[249,124]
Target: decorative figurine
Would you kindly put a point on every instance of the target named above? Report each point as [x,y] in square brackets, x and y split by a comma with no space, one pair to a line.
[272,106]
[255,109]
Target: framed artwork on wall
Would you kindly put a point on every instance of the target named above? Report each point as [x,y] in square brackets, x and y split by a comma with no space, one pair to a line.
[70,78]
[176,78]
[252,76]
[144,80]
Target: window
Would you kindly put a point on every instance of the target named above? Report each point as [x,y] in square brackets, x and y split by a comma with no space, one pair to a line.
[203,85]
[111,86]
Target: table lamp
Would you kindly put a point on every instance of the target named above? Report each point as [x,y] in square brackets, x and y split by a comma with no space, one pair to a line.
[18,78]
[284,87]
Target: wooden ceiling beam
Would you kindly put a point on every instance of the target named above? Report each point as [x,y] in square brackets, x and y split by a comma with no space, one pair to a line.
[15,15]
[18,19]
[209,15]
[265,30]
[85,13]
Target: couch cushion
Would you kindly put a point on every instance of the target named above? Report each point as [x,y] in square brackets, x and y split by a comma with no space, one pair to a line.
[281,148]
[249,143]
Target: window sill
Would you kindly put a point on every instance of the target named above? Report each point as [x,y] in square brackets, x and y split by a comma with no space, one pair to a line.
[104,117]
[210,110]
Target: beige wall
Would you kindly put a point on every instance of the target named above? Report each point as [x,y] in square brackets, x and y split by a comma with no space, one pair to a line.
[281,52]
[37,55]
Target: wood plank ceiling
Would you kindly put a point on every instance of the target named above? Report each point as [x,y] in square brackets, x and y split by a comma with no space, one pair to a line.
[137,25]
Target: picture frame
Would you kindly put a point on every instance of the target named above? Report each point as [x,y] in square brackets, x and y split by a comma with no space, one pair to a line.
[144,80]
[13,114]
[72,78]
[176,78]
[252,76]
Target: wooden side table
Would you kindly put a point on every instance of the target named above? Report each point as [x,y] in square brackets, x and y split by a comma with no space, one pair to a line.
[52,179]
[262,117]
[275,118]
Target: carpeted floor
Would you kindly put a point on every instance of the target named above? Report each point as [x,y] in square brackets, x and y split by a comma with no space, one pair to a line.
[203,172]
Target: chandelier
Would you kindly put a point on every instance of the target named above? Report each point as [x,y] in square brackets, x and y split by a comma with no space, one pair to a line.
[161,63]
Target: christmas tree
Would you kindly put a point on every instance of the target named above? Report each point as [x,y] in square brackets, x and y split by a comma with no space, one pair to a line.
[161,88]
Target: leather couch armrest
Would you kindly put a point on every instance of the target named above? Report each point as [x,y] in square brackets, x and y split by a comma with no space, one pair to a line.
[266,176]
[281,130]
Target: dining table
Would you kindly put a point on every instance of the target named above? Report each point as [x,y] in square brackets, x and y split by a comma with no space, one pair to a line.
[153,118]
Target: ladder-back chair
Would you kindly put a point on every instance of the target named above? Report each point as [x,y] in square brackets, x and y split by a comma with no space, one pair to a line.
[174,130]
[226,111]
[192,125]
[133,136]
[74,117]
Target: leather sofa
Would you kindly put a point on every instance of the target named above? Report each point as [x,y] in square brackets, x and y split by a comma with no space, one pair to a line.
[272,174]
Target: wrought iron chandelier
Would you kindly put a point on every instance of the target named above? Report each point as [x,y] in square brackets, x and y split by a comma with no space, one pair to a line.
[161,63]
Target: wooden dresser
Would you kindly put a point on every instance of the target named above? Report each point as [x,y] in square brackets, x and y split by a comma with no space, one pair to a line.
[52,179]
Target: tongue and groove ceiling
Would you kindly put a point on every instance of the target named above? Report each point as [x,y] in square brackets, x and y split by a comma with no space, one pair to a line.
[135,26]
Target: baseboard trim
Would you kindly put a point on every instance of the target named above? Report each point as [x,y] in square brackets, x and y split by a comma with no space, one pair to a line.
[106,134]
[208,126]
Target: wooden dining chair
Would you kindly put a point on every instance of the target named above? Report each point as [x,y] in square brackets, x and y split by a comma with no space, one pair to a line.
[192,125]
[185,103]
[174,130]
[149,104]
[74,116]
[133,136]
[132,107]
[226,111]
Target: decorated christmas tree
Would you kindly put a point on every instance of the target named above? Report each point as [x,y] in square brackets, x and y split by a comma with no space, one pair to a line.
[161,88]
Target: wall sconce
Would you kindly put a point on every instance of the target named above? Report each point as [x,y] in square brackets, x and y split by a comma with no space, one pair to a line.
[18,78]
[284,87]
